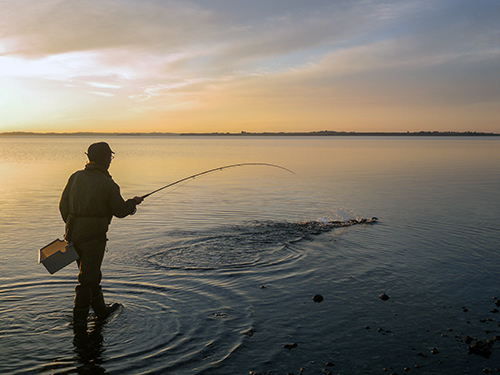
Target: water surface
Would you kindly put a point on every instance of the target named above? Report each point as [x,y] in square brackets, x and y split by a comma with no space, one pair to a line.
[216,275]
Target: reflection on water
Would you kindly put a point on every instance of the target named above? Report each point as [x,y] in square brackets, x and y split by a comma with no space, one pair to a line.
[89,350]
[217,275]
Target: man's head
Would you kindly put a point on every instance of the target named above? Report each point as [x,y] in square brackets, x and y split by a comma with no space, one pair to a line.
[100,153]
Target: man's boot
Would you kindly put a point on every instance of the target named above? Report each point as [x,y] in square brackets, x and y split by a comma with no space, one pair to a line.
[101,310]
[80,319]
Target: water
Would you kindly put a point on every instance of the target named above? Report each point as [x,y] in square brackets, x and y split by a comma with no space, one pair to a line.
[216,275]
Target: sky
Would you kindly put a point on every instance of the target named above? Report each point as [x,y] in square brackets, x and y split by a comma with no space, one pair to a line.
[254,65]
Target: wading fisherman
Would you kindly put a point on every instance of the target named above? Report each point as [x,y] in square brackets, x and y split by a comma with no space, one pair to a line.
[89,201]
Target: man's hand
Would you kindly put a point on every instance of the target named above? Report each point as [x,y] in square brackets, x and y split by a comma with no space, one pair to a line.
[138,200]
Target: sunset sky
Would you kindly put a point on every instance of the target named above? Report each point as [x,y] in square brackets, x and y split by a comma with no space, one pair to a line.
[254,65]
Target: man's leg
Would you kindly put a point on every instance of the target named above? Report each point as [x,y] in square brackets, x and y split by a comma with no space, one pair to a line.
[89,278]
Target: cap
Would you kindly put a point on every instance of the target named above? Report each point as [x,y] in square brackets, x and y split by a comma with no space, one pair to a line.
[99,151]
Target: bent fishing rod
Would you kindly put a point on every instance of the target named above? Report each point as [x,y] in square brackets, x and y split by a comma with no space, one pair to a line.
[215,170]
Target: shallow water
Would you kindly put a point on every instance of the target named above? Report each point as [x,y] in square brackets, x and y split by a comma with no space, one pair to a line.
[216,275]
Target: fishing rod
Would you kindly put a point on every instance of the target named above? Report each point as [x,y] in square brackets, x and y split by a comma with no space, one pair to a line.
[214,170]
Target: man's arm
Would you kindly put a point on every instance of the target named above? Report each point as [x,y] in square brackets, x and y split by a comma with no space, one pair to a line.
[119,207]
[64,202]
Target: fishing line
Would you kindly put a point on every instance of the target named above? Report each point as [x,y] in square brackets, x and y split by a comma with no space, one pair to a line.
[214,170]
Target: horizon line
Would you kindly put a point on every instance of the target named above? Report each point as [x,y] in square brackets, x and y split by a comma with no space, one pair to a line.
[245,133]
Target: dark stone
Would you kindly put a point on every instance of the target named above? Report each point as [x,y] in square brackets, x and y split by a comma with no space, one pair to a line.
[468,339]
[497,302]
[290,346]
[330,364]
[494,311]
[249,332]
[383,297]
[481,348]
[318,298]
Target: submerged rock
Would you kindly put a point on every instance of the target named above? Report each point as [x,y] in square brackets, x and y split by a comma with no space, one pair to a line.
[481,348]
[468,339]
[290,346]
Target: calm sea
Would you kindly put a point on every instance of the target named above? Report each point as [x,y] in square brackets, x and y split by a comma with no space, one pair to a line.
[216,275]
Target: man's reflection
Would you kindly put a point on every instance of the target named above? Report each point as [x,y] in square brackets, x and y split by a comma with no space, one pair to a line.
[89,350]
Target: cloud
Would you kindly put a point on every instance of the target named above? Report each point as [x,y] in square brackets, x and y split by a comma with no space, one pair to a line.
[103,85]
[250,58]
[36,28]
[106,94]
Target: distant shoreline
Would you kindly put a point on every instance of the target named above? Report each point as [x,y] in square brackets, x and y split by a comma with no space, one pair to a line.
[324,133]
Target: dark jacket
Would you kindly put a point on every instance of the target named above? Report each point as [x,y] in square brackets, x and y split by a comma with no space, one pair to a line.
[89,201]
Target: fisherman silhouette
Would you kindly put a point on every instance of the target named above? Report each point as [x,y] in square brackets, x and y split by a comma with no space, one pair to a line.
[88,203]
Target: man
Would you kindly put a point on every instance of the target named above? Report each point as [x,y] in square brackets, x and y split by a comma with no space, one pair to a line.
[89,201]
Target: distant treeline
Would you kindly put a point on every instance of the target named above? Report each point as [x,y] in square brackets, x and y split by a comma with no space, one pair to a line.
[336,133]
[246,134]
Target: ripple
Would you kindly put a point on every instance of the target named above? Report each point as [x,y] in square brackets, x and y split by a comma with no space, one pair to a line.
[171,324]
[247,245]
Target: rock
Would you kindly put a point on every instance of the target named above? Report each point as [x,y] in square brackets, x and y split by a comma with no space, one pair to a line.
[249,332]
[330,364]
[290,346]
[318,298]
[497,302]
[494,311]
[481,348]
[383,297]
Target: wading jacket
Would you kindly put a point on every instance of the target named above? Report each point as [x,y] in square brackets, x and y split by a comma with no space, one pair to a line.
[89,201]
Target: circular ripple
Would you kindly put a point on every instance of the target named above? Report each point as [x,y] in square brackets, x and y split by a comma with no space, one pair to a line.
[247,245]
[167,323]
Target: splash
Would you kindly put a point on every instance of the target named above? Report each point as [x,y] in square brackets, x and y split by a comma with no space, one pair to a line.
[256,243]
